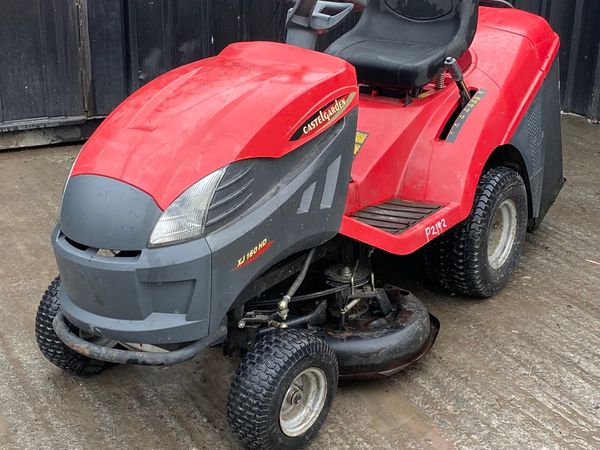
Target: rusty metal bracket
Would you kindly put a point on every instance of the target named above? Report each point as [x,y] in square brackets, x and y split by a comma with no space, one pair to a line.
[117,356]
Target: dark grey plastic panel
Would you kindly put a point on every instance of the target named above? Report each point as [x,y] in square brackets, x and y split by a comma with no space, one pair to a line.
[105,213]
[300,203]
[160,296]
[539,141]
[182,292]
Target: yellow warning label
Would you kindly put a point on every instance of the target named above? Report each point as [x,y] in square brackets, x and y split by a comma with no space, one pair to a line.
[359,142]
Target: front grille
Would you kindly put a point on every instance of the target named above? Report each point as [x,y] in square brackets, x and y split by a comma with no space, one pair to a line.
[117,253]
[75,244]
[395,216]
[104,252]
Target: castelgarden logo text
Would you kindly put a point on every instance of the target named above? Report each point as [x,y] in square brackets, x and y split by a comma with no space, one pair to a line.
[328,114]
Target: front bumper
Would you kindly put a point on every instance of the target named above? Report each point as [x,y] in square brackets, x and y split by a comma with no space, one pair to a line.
[117,356]
[155,296]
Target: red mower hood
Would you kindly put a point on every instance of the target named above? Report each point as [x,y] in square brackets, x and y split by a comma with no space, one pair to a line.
[247,102]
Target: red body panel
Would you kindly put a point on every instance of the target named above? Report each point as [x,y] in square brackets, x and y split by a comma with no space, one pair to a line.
[245,103]
[402,156]
[248,101]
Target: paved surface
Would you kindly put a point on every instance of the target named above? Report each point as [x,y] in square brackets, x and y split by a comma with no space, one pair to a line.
[519,371]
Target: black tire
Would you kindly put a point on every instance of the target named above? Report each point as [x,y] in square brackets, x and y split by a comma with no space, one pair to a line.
[51,346]
[261,383]
[459,261]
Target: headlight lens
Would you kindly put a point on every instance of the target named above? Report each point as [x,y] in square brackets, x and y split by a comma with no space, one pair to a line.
[186,217]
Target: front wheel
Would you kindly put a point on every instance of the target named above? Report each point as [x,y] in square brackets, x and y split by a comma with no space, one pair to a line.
[282,391]
[49,343]
[476,258]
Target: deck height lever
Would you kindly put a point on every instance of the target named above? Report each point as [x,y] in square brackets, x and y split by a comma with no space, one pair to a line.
[458,77]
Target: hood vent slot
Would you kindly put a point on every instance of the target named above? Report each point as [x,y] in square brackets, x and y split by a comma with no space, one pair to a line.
[234,191]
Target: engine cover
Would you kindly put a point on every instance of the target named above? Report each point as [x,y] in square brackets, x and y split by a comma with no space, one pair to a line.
[253,100]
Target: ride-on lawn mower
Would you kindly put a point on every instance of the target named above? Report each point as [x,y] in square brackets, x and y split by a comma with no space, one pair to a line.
[237,201]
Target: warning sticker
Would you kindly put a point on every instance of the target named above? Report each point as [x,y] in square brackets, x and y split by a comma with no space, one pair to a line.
[464,115]
[361,137]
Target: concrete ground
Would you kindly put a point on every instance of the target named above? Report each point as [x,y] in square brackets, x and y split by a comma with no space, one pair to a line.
[521,370]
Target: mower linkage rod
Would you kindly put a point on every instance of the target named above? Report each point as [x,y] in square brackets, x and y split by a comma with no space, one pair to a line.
[300,298]
[282,307]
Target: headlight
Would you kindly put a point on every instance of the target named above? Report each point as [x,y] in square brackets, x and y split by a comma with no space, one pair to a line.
[186,217]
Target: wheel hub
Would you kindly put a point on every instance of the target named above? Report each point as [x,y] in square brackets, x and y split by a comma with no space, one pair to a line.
[303,402]
[502,234]
[296,398]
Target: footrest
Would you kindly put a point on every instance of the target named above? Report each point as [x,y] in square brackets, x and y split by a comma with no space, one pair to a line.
[401,226]
[395,216]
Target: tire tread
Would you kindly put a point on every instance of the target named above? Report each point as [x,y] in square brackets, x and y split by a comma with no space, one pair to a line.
[49,343]
[453,260]
[253,389]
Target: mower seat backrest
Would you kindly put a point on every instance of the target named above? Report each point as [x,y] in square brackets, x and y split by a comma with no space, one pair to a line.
[403,43]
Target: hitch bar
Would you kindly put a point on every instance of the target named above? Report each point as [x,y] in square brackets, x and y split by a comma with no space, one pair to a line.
[117,356]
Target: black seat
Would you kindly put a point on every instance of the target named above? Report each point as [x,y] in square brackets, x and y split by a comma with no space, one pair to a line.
[403,43]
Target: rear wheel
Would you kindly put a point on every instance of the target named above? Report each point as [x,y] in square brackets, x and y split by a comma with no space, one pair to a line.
[477,257]
[51,346]
[282,391]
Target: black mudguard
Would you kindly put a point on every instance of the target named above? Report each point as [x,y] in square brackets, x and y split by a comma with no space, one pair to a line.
[538,139]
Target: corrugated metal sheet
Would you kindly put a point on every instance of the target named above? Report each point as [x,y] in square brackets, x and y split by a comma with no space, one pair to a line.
[65,60]
[578,24]
[132,42]
[40,64]
[162,34]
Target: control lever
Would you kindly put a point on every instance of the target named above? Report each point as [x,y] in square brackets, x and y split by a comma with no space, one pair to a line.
[327,15]
[292,11]
[307,19]
[458,77]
